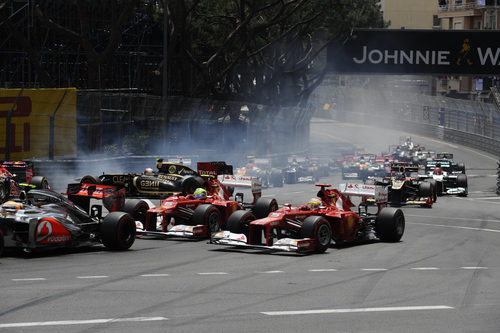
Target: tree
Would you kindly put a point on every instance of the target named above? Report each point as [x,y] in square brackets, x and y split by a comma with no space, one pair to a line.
[267,52]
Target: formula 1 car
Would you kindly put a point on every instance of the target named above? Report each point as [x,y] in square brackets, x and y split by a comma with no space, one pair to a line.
[171,178]
[303,229]
[42,219]
[445,178]
[188,216]
[16,177]
[407,189]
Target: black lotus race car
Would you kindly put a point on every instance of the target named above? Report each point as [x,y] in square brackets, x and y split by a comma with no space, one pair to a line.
[45,219]
[169,179]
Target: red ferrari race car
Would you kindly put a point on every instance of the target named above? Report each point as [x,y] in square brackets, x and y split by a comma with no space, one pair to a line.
[313,227]
[17,176]
[198,216]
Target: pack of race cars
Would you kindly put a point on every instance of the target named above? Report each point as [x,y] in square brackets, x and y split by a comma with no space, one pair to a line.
[111,209]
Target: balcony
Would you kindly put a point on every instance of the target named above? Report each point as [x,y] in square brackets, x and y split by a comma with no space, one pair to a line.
[476,5]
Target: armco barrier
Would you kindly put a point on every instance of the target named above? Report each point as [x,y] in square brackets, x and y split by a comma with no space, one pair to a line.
[498,178]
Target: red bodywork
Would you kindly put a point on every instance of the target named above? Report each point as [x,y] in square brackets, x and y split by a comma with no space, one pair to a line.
[182,207]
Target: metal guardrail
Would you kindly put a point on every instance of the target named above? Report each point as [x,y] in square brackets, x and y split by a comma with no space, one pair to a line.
[498,177]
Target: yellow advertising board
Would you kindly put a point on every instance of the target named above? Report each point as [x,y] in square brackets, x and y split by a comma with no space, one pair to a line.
[31,121]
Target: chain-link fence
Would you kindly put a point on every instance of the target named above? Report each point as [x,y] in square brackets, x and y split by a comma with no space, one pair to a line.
[122,123]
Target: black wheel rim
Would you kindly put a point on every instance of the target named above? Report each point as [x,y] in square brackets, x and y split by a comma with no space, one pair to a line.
[323,235]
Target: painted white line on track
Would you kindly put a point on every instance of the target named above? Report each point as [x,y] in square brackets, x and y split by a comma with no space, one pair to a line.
[373,269]
[471,267]
[154,275]
[452,218]
[81,322]
[356,310]
[425,268]
[93,277]
[30,279]
[455,227]
[271,272]
[212,273]
[323,270]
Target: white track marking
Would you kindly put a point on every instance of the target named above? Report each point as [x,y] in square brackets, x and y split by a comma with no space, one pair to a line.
[93,277]
[81,322]
[453,218]
[373,269]
[271,272]
[471,267]
[212,273]
[425,268]
[30,279]
[323,270]
[456,227]
[355,310]
[154,275]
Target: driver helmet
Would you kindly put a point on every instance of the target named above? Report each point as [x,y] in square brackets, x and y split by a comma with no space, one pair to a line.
[11,207]
[149,172]
[314,203]
[200,193]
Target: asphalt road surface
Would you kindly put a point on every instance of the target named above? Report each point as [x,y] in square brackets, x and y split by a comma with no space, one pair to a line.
[442,277]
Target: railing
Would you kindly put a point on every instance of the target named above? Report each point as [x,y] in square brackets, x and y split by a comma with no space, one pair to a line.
[465,6]
[496,96]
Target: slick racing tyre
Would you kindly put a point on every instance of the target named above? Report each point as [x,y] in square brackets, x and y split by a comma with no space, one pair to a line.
[40,182]
[390,224]
[462,180]
[264,206]
[239,222]
[189,184]
[461,167]
[136,208]
[207,215]
[425,189]
[118,231]
[89,179]
[317,228]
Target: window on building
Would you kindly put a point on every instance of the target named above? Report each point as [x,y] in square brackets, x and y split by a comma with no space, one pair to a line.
[457,25]
[458,3]
[436,21]
[490,21]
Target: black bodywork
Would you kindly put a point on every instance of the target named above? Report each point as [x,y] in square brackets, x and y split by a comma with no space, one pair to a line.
[45,219]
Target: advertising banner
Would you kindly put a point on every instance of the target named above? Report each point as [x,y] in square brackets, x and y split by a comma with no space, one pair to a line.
[417,52]
[41,121]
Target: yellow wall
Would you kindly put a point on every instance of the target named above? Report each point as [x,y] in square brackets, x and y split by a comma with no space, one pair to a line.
[31,122]
[410,14]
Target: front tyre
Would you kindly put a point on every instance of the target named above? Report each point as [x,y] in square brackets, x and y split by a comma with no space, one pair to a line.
[390,224]
[239,222]
[208,215]
[136,208]
[118,231]
[317,228]
[264,206]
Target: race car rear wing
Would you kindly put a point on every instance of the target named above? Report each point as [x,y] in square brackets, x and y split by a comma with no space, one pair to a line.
[113,199]
[22,169]
[214,169]
[254,183]
[404,167]
[377,192]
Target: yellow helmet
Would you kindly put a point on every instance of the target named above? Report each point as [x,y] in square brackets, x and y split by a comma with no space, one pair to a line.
[314,203]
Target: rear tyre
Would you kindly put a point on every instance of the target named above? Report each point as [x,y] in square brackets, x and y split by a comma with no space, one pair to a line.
[239,222]
[390,224]
[89,179]
[208,215]
[137,209]
[264,206]
[118,231]
[317,228]
[189,184]
[425,189]
[40,182]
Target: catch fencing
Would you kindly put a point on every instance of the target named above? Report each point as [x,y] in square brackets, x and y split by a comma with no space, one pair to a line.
[470,123]
[128,123]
